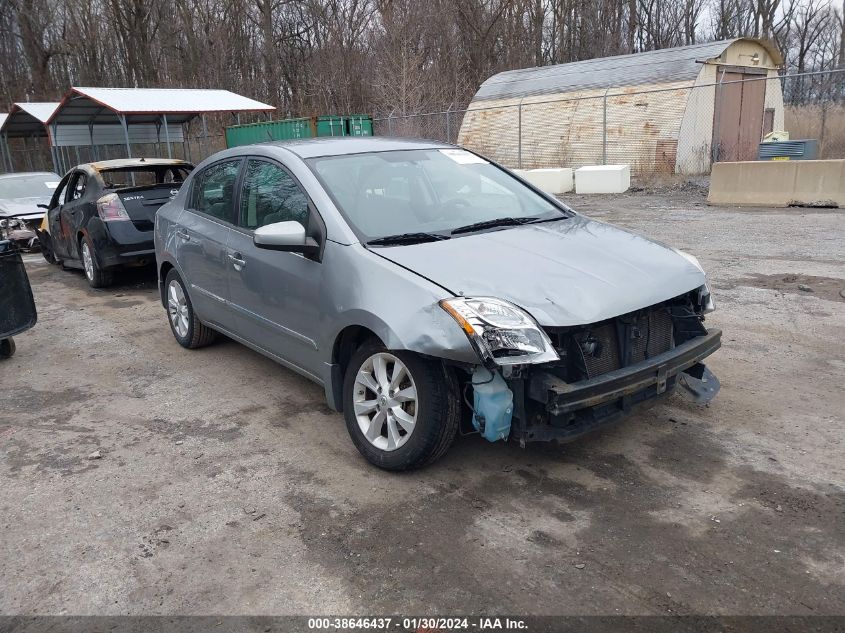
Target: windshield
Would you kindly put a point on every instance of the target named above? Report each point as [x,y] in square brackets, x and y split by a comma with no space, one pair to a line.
[425,191]
[28,186]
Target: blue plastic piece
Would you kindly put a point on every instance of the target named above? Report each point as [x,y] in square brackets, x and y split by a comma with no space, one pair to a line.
[492,405]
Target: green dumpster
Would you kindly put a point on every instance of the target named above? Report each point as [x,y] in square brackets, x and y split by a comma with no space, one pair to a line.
[306,127]
[264,131]
[360,125]
[331,125]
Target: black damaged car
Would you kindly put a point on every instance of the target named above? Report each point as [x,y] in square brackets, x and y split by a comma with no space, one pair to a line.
[102,214]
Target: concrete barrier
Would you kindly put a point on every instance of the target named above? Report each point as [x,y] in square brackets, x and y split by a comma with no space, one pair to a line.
[778,183]
[555,180]
[603,179]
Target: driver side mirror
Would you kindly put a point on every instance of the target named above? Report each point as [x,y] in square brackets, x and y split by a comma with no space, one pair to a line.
[284,236]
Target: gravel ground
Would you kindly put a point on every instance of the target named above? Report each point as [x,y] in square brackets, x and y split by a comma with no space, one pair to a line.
[226,486]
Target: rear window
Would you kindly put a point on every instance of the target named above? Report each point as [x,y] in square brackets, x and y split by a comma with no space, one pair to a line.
[143,176]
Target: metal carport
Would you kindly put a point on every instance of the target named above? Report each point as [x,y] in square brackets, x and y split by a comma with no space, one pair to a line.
[28,121]
[92,117]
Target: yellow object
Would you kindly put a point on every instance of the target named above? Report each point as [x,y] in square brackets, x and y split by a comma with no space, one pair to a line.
[776,136]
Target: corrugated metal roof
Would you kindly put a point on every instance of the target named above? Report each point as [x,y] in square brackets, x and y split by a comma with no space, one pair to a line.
[146,105]
[27,118]
[665,65]
[167,100]
[41,110]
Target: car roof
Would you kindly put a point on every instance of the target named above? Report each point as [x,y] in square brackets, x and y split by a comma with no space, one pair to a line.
[124,163]
[342,145]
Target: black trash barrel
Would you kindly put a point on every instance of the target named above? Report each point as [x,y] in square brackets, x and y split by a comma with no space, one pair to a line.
[17,307]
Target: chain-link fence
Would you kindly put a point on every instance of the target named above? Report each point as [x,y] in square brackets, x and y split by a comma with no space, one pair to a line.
[676,128]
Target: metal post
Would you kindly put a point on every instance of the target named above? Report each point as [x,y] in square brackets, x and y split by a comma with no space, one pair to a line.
[205,136]
[604,129]
[186,143]
[26,153]
[56,167]
[51,139]
[714,150]
[126,135]
[166,135]
[519,136]
[9,152]
[7,155]
[448,126]
[125,125]
[91,139]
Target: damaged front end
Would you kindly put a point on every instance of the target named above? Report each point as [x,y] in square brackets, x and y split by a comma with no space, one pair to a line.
[21,232]
[561,382]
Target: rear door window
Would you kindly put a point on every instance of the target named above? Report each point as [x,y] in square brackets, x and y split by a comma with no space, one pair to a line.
[213,190]
[270,195]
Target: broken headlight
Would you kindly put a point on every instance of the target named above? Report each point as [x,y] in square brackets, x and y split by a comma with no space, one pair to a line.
[705,298]
[500,332]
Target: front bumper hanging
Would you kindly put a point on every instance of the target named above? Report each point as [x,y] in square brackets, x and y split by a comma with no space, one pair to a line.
[573,409]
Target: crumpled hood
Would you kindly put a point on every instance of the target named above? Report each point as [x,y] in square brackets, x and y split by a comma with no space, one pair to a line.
[570,272]
[24,208]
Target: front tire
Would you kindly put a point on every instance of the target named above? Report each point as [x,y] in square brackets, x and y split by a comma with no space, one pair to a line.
[402,411]
[96,276]
[187,329]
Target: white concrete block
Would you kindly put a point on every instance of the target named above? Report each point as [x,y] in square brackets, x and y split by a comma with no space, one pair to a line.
[555,180]
[603,179]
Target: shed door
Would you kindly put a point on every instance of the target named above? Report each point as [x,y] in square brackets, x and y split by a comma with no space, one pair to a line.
[738,117]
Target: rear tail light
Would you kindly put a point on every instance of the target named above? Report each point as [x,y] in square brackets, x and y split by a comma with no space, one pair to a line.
[111,208]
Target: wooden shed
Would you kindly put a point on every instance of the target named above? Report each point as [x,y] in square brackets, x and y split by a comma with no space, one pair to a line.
[671,110]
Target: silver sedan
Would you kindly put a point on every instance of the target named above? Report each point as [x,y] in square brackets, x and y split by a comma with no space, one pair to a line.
[429,289]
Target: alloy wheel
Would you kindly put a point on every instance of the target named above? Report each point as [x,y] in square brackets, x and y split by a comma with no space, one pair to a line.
[87,261]
[177,308]
[385,401]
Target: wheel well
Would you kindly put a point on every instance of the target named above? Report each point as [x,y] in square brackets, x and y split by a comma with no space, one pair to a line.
[162,274]
[347,342]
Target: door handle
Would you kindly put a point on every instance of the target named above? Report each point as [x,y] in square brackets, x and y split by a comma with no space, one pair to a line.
[237,260]
[182,234]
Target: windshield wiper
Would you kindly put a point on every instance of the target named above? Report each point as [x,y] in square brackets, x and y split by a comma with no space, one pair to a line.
[407,238]
[491,224]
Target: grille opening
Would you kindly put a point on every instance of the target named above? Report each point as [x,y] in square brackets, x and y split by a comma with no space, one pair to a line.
[593,350]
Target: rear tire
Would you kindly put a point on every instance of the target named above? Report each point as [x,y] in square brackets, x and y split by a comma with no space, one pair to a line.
[399,423]
[187,329]
[96,276]
[7,348]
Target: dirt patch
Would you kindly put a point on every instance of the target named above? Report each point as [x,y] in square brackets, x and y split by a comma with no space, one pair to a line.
[827,288]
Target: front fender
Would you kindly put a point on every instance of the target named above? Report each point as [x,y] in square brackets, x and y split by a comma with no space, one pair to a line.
[428,330]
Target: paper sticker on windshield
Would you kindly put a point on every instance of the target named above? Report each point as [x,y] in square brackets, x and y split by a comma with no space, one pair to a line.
[463,157]
[50,184]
